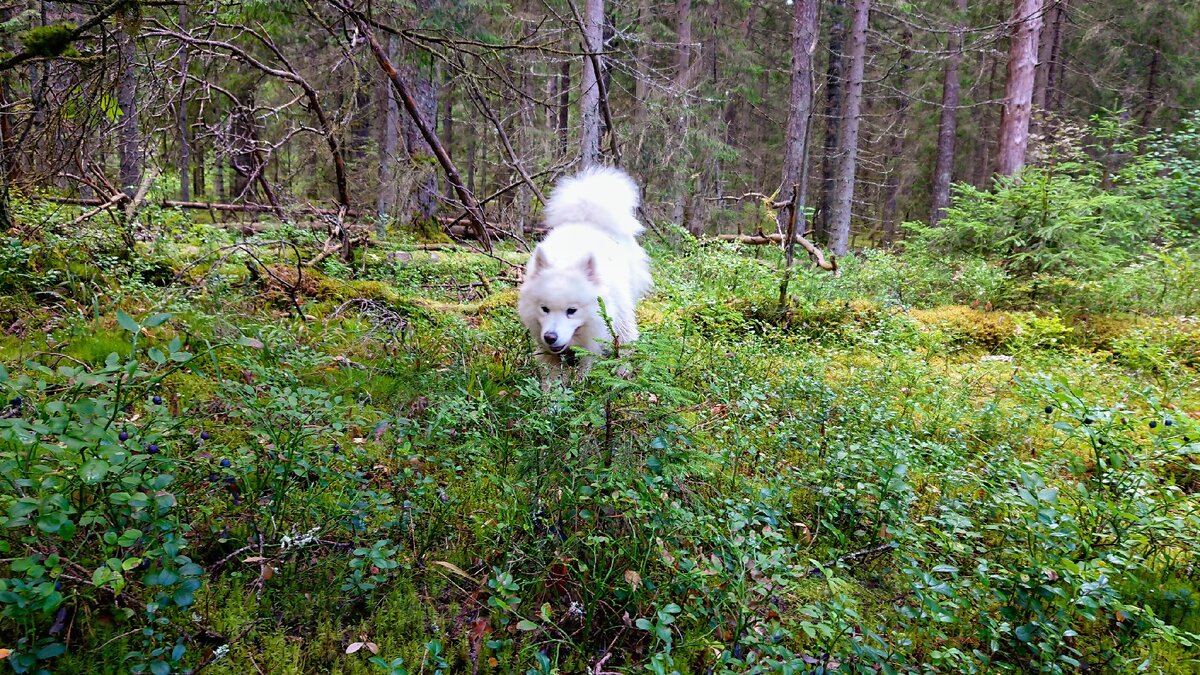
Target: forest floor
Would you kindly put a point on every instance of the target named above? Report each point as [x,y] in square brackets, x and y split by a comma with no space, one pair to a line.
[215,461]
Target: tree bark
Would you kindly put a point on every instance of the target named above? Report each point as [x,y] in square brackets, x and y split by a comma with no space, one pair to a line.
[564,106]
[643,71]
[834,75]
[943,173]
[843,197]
[683,76]
[895,156]
[589,98]
[1013,141]
[185,142]
[800,101]
[129,146]
[388,144]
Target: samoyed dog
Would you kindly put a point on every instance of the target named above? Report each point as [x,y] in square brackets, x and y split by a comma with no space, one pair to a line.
[589,268]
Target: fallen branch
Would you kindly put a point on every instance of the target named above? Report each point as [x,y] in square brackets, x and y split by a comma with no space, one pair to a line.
[778,239]
[768,199]
[204,206]
[335,249]
[116,199]
[866,553]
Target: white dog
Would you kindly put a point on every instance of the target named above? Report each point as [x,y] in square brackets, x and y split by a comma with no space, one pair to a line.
[589,255]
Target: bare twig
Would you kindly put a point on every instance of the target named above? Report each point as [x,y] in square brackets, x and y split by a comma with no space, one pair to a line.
[857,555]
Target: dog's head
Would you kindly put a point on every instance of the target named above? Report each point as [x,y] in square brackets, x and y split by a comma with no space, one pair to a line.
[557,300]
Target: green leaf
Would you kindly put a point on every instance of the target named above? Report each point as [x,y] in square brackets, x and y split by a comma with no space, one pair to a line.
[127,322]
[159,668]
[525,624]
[157,356]
[51,650]
[93,471]
[129,538]
[156,320]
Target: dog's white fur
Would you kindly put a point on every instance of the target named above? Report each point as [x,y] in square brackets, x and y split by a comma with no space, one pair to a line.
[590,252]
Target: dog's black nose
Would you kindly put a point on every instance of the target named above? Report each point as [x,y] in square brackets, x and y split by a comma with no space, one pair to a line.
[550,337]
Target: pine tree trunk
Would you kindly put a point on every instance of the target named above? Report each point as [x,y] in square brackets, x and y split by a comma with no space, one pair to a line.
[834,76]
[185,142]
[943,173]
[564,106]
[895,157]
[129,145]
[843,196]
[589,98]
[800,101]
[1018,91]
[683,72]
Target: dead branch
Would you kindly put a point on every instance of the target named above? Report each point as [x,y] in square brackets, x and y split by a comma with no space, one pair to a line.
[778,240]
[330,250]
[116,199]
[482,106]
[249,207]
[768,199]
[865,553]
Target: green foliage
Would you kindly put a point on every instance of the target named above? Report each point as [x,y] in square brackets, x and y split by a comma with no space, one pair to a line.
[1180,159]
[843,483]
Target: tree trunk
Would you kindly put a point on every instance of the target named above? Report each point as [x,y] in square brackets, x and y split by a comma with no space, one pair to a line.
[843,196]
[447,132]
[1045,74]
[943,173]
[1018,90]
[185,142]
[643,70]
[129,145]
[895,157]
[388,144]
[982,161]
[1150,100]
[564,105]
[683,71]
[800,101]
[834,73]
[425,96]
[589,98]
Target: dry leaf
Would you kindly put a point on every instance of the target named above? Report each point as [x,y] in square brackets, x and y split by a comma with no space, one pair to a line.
[456,569]
[354,646]
[493,662]
[254,559]
[267,572]
[373,647]
[634,579]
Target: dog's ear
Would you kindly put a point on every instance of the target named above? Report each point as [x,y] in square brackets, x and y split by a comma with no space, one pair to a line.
[539,261]
[589,269]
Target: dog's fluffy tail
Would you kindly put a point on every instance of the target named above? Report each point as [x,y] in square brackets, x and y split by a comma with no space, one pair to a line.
[601,196]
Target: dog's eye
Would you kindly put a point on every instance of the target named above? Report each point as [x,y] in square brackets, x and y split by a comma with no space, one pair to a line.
[545,310]
[571,311]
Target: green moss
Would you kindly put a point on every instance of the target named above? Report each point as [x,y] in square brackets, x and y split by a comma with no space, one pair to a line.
[94,349]
[48,41]
[963,326]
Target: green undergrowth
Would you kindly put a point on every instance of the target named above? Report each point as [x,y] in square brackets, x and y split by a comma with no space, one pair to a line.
[354,469]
